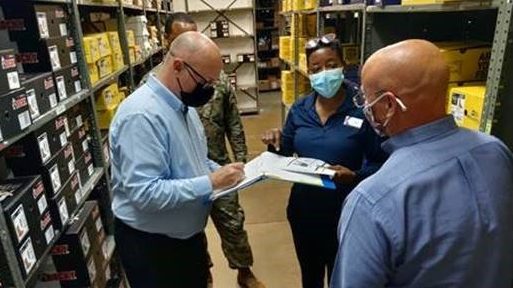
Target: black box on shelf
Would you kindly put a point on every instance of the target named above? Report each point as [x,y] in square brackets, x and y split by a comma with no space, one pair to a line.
[68,81]
[41,93]
[245,58]
[76,252]
[85,167]
[220,29]
[38,147]
[77,116]
[9,78]
[15,114]
[37,20]
[25,212]
[65,202]
[79,140]
[46,55]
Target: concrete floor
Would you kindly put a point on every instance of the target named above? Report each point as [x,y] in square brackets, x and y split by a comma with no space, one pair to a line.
[265,206]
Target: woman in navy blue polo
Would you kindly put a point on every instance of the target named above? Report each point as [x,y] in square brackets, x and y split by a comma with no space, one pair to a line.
[325,125]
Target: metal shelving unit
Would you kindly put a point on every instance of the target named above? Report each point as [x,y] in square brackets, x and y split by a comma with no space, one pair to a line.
[101,172]
[489,21]
[240,15]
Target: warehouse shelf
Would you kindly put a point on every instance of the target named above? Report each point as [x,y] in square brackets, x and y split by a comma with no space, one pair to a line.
[306,12]
[86,191]
[98,4]
[296,68]
[108,79]
[45,118]
[154,10]
[214,10]
[340,8]
[141,61]
[447,7]
[132,7]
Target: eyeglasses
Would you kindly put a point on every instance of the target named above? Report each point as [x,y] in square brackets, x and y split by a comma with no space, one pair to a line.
[360,100]
[190,68]
[326,39]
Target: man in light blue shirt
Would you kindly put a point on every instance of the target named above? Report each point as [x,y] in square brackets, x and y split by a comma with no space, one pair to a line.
[162,178]
[439,212]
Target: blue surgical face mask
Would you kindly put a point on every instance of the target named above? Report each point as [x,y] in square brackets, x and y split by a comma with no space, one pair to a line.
[327,82]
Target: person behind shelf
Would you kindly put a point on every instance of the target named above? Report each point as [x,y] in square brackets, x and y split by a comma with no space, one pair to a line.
[325,125]
[439,212]
[161,175]
[221,120]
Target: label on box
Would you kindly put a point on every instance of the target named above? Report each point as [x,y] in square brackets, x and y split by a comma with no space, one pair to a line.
[54,57]
[53,100]
[63,211]
[78,86]
[49,234]
[91,268]
[64,29]
[28,256]
[44,147]
[63,138]
[48,83]
[1,136]
[458,107]
[8,62]
[42,23]
[56,178]
[84,241]
[66,127]
[79,121]
[90,169]
[13,80]
[24,120]
[71,166]
[98,224]
[32,102]
[61,88]
[46,219]
[38,189]
[73,57]
[85,145]
[20,223]
[78,196]
[42,204]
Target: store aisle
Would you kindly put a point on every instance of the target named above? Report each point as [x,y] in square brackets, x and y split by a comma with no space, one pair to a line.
[266,222]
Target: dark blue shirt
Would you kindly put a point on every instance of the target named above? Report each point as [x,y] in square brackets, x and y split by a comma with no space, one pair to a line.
[340,141]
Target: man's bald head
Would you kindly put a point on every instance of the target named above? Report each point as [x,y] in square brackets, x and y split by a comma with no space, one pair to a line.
[414,71]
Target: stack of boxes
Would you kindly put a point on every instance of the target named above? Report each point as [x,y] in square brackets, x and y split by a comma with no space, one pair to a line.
[220,29]
[107,102]
[468,63]
[138,24]
[103,55]
[117,54]
[287,87]
[295,5]
[132,47]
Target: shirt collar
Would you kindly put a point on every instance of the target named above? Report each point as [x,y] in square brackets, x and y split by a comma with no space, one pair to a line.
[420,134]
[344,108]
[163,92]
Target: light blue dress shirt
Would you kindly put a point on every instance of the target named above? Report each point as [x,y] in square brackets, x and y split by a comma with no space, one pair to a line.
[159,164]
[439,213]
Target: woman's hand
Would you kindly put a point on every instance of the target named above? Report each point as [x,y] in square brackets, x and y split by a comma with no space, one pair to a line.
[343,175]
[272,137]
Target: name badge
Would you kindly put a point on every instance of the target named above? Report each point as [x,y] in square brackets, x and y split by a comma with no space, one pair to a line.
[353,122]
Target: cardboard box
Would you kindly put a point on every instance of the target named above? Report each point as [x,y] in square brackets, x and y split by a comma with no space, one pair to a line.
[117,61]
[105,117]
[468,61]
[94,75]
[91,49]
[68,82]
[41,93]
[104,44]
[108,98]
[85,167]
[9,78]
[459,84]
[114,42]
[104,66]
[303,63]
[285,44]
[16,115]
[79,140]
[263,85]
[467,105]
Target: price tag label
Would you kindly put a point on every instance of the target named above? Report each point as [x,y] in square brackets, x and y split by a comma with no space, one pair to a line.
[63,211]
[42,204]
[44,147]
[78,86]
[32,102]
[13,80]
[90,169]
[85,145]
[20,223]
[54,57]
[71,166]
[49,234]
[63,29]
[79,120]
[24,120]
[78,196]
[28,256]
[61,88]
[43,25]
[63,139]
[53,100]
[56,178]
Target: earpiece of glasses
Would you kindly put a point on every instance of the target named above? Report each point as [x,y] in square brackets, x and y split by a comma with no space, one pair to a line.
[326,39]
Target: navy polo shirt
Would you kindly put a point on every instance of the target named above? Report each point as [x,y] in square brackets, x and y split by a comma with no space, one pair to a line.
[346,139]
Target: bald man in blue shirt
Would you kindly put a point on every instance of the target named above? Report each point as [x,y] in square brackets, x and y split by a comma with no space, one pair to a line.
[439,213]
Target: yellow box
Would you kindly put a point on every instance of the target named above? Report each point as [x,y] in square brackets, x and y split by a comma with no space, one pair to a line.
[104,66]
[103,44]
[467,105]
[303,64]
[298,5]
[117,61]
[108,98]
[131,54]
[105,117]
[310,4]
[426,2]
[130,37]
[468,61]
[459,84]
[288,97]
[285,44]
[91,49]
[115,46]
[93,73]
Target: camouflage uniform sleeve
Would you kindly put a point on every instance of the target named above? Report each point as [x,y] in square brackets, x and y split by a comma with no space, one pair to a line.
[234,128]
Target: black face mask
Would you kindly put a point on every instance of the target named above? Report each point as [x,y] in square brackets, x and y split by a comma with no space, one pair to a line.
[201,94]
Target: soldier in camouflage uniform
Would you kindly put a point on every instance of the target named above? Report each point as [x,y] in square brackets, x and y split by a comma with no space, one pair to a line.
[221,119]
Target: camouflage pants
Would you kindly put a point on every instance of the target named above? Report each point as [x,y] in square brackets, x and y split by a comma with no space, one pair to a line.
[228,218]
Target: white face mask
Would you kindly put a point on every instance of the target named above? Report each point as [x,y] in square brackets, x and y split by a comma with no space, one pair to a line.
[379,128]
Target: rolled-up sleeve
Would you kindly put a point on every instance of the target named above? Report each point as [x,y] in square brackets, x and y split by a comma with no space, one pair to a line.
[144,161]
